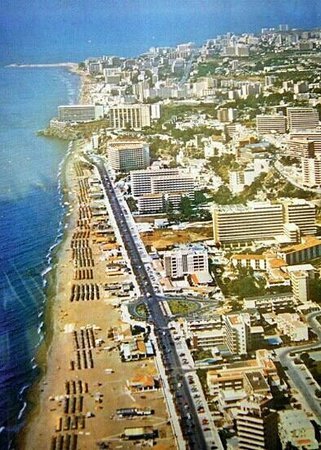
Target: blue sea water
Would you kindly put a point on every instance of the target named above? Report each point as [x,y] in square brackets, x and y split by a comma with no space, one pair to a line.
[44,31]
[30,224]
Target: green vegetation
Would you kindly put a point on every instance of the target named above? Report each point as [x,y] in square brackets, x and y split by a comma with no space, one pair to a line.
[223,196]
[315,290]
[202,354]
[142,311]
[132,204]
[246,285]
[208,67]
[222,165]
[182,307]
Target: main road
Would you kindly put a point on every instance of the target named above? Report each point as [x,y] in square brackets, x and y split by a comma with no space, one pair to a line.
[192,428]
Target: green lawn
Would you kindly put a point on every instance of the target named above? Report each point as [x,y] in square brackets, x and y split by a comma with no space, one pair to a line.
[182,306]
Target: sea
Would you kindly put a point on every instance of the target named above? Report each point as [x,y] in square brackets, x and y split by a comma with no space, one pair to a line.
[31,201]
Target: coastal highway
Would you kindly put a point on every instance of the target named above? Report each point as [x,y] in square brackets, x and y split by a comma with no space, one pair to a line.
[195,435]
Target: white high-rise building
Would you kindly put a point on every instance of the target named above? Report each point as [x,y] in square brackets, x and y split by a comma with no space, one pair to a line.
[311,171]
[239,223]
[262,220]
[185,260]
[302,118]
[266,124]
[302,213]
[141,180]
[135,116]
[80,113]
[127,155]
[237,333]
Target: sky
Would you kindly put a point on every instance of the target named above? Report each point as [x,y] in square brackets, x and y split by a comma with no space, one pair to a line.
[127,26]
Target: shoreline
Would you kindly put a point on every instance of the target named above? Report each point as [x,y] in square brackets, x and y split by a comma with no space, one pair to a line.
[81,348]
[50,310]
[51,278]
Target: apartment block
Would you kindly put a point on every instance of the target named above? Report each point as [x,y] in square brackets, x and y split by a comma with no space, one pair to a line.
[172,183]
[311,171]
[302,118]
[302,213]
[256,426]
[150,204]
[237,333]
[135,116]
[239,223]
[128,155]
[309,249]
[300,285]
[262,221]
[80,113]
[185,260]
[141,180]
[290,325]
[276,303]
[267,124]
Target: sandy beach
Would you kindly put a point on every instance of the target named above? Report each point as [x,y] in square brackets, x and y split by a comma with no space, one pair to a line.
[85,381]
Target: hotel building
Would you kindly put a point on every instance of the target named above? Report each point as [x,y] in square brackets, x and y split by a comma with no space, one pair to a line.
[266,124]
[262,220]
[302,213]
[128,155]
[302,118]
[141,180]
[135,116]
[80,113]
[311,171]
[237,328]
[238,223]
[256,426]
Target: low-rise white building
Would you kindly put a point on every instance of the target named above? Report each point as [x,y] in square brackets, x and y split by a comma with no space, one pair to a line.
[290,325]
[295,428]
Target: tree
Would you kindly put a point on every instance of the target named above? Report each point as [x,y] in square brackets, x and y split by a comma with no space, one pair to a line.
[132,204]
[223,196]
[185,207]
[315,290]
[169,211]
[199,197]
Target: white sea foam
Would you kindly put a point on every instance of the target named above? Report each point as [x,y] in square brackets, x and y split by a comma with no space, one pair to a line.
[46,270]
[22,410]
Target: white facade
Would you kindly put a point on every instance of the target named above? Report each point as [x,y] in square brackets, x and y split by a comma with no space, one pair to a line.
[302,213]
[237,331]
[296,428]
[128,155]
[185,260]
[290,325]
[311,171]
[130,116]
[247,223]
[302,118]
[141,180]
[267,124]
[80,113]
